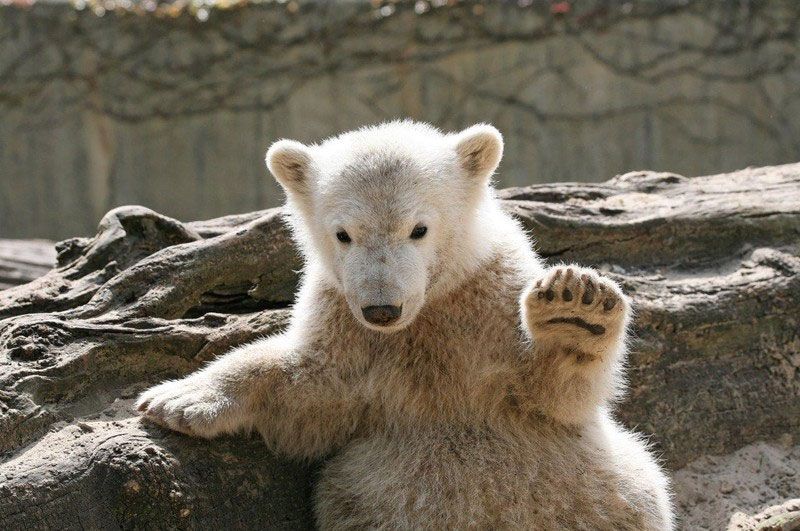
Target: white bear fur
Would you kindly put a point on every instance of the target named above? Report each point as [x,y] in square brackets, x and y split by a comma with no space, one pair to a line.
[485,406]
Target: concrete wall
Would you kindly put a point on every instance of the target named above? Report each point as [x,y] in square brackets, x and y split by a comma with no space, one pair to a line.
[176,113]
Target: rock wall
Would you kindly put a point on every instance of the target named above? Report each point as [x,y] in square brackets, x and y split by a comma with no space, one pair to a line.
[24,260]
[174,110]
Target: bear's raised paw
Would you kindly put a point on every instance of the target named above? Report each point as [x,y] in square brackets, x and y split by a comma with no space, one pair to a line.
[576,299]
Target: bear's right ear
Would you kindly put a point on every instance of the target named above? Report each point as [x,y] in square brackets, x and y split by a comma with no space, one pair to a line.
[479,150]
[289,162]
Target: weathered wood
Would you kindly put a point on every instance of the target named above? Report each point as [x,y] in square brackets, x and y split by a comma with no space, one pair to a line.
[109,474]
[712,263]
[783,517]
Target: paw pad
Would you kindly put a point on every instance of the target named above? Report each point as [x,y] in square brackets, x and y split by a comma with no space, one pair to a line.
[578,297]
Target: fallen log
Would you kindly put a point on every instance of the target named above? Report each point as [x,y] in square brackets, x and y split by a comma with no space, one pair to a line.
[712,263]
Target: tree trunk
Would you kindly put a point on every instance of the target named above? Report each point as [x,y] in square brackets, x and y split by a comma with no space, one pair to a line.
[712,263]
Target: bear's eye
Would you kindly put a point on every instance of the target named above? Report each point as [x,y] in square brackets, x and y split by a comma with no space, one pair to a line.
[343,237]
[418,232]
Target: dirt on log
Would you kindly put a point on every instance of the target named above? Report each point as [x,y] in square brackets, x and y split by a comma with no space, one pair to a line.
[712,263]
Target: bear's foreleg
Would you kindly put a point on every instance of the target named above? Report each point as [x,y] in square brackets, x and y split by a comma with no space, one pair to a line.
[300,404]
[577,321]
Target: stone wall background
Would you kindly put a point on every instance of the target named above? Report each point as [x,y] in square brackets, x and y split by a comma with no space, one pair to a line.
[175,112]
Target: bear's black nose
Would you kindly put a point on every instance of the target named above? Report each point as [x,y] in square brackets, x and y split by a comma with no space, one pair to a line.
[382,315]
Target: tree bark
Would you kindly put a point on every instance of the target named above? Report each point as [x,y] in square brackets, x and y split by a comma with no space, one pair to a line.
[784,517]
[712,263]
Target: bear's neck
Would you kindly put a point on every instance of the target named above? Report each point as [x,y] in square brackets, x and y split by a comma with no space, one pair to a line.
[486,234]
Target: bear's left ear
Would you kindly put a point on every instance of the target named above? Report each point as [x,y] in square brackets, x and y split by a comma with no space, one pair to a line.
[479,150]
[289,162]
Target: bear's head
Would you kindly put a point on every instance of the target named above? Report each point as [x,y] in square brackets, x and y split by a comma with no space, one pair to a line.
[392,214]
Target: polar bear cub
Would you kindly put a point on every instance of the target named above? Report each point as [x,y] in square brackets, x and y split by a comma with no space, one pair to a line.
[452,380]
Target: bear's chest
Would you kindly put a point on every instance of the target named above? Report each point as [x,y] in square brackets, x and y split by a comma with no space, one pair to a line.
[450,372]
